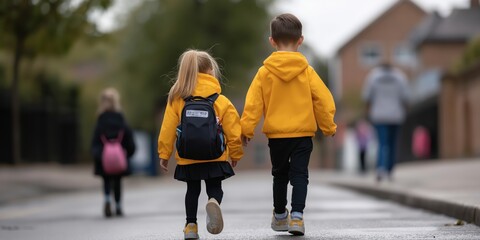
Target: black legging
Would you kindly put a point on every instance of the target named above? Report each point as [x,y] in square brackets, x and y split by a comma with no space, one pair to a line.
[114,182]
[214,190]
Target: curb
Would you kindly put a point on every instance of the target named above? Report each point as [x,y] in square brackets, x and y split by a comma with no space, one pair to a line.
[463,212]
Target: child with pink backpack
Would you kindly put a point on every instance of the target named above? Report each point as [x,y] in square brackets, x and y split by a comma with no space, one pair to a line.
[112,146]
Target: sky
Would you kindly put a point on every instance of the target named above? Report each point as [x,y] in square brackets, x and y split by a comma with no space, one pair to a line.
[327,24]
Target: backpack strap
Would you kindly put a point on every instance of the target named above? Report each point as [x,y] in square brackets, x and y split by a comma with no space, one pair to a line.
[194,98]
[120,136]
[212,98]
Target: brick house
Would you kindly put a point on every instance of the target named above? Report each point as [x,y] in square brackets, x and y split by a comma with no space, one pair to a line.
[384,39]
[441,41]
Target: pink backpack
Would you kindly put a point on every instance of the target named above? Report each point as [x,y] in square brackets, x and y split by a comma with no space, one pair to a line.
[421,142]
[114,157]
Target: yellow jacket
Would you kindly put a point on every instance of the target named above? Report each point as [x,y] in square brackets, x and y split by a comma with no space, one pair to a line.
[292,98]
[226,112]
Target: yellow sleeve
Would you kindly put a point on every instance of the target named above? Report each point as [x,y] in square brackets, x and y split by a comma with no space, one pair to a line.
[167,136]
[253,110]
[233,132]
[323,105]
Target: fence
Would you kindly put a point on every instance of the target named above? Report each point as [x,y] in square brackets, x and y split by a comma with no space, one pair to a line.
[48,134]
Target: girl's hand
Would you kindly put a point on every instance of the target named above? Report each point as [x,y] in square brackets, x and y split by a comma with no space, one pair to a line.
[164,165]
[234,163]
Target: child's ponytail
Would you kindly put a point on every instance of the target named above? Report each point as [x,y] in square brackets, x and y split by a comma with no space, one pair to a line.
[186,77]
[190,64]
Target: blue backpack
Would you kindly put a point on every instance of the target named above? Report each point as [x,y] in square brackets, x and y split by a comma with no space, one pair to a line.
[200,134]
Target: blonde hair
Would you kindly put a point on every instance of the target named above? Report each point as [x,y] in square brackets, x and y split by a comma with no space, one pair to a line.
[190,64]
[109,101]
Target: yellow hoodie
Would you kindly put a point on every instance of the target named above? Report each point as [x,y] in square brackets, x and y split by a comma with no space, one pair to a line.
[226,112]
[292,98]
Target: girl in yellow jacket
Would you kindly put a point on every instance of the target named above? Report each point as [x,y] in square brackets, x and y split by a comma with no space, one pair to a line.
[197,76]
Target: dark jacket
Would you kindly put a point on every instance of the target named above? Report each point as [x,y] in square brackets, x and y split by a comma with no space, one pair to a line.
[110,124]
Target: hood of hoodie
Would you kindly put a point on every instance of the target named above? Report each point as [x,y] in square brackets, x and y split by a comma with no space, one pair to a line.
[286,65]
[206,85]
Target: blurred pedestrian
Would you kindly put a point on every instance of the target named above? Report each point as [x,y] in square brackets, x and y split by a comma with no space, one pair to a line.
[111,128]
[294,102]
[386,93]
[195,107]
[363,136]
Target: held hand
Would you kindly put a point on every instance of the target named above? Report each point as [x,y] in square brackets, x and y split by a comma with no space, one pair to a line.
[234,163]
[164,165]
[245,140]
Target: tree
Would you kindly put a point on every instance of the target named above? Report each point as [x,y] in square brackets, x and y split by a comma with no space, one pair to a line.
[470,57]
[33,27]
[235,32]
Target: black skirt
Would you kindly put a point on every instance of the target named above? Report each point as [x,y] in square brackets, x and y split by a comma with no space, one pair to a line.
[202,171]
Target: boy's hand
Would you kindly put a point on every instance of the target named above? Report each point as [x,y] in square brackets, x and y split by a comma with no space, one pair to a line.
[234,163]
[164,165]
[245,140]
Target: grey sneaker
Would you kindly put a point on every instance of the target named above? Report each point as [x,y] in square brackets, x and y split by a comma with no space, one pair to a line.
[296,227]
[214,217]
[280,225]
[191,231]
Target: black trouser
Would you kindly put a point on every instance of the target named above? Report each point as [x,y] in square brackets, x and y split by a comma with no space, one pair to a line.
[290,158]
[214,190]
[114,182]
[363,164]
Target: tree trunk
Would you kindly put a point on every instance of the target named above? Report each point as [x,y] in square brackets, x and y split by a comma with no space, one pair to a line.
[16,126]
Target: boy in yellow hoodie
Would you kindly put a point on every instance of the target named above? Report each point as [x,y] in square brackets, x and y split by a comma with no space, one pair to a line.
[293,100]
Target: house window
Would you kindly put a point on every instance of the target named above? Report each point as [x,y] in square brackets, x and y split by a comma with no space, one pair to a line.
[405,56]
[370,54]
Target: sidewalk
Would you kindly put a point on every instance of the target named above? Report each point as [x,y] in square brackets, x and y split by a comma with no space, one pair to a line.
[29,181]
[450,187]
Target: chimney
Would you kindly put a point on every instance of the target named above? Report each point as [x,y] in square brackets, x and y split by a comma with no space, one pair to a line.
[474,3]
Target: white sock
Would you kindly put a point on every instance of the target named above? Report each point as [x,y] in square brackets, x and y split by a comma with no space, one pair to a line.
[297,215]
[281,215]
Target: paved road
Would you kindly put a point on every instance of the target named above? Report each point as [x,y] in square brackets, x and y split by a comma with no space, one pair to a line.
[154,210]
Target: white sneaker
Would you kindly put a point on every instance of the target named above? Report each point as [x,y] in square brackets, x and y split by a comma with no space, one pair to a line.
[280,225]
[214,217]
